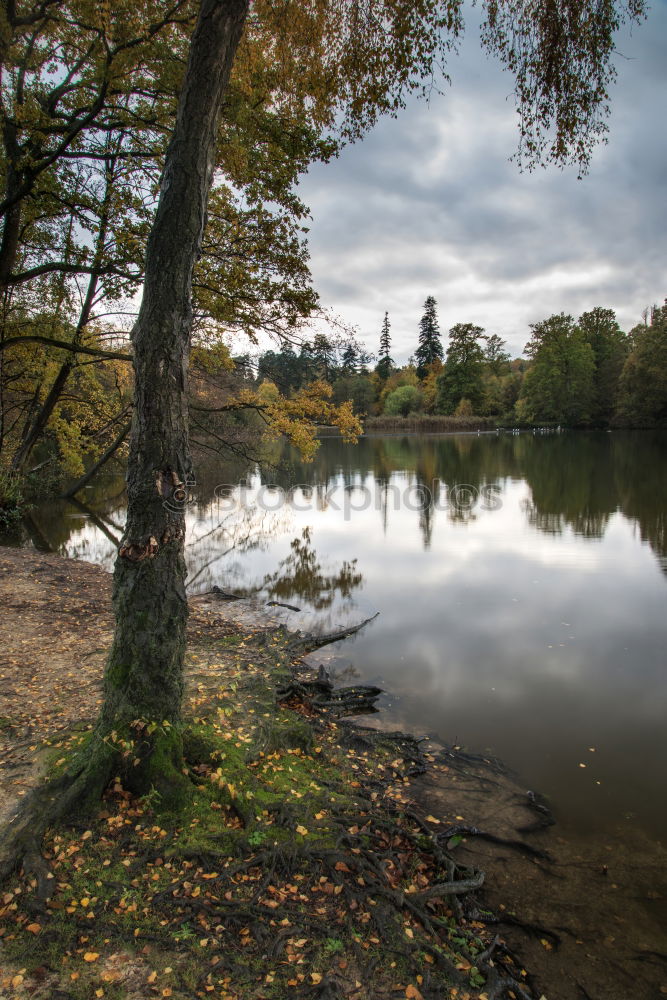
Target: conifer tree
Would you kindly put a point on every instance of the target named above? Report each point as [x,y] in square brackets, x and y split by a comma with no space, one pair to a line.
[430,345]
[350,360]
[385,362]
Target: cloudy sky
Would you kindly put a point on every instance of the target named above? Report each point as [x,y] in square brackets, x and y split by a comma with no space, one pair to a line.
[429,204]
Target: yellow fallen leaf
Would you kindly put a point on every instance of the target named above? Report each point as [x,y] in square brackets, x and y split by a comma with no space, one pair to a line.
[152,977]
[304,833]
[17,980]
[316,977]
[91,956]
[432,819]
[34,928]
[413,993]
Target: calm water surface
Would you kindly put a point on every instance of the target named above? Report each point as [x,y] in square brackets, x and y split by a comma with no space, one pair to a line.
[521,580]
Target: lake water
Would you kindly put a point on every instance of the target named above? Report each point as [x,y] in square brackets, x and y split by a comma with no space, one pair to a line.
[521,582]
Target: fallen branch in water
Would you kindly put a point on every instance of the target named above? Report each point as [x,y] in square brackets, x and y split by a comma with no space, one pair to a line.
[306,642]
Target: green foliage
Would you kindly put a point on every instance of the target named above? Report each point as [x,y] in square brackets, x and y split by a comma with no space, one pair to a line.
[643,383]
[358,389]
[462,377]
[559,386]
[610,349]
[11,499]
[406,399]
[496,357]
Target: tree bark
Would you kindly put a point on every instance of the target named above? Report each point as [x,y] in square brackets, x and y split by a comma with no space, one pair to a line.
[144,676]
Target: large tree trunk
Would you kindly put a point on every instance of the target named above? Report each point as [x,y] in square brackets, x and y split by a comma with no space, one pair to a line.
[144,677]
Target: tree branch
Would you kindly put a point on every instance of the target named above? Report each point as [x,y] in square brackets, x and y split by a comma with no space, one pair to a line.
[64,346]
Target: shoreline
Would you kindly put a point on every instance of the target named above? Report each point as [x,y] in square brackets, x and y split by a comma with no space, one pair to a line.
[464,790]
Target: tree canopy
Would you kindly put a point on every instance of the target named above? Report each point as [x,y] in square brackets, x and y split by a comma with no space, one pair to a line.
[462,375]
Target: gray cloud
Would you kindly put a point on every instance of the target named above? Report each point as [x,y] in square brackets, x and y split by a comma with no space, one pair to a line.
[430,204]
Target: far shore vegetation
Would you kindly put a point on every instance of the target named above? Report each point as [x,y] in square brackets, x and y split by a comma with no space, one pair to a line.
[583,373]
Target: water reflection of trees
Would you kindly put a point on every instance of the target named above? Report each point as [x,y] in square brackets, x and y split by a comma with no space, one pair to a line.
[215,537]
[300,576]
[640,461]
[572,483]
[577,481]
[580,480]
[430,467]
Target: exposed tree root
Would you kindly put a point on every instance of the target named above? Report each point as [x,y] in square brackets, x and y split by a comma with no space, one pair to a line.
[303,643]
[365,872]
[462,760]
[539,806]
[324,697]
[76,794]
[45,806]
[515,845]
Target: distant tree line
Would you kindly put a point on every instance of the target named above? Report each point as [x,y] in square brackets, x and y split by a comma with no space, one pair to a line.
[577,373]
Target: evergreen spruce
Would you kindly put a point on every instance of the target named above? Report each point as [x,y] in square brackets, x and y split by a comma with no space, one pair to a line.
[385,362]
[430,345]
[350,360]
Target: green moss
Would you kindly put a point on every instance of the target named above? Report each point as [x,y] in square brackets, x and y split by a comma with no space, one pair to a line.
[285,734]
